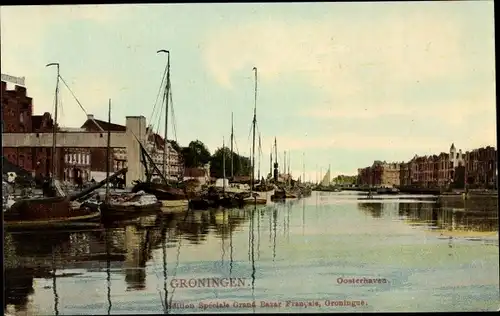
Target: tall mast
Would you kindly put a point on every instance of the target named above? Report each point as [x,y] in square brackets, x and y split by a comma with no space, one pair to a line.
[223,166]
[254,122]
[276,170]
[260,151]
[108,152]
[303,168]
[271,162]
[165,96]
[289,160]
[232,140]
[54,127]
[316,171]
[284,162]
[275,151]
[329,175]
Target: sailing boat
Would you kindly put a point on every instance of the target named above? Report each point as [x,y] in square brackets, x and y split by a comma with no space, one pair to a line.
[54,211]
[325,182]
[257,197]
[124,203]
[279,192]
[264,188]
[165,192]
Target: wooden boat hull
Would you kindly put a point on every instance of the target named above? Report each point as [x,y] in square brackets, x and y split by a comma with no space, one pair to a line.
[251,201]
[161,191]
[175,203]
[128,209]
[39,209]
[82,221]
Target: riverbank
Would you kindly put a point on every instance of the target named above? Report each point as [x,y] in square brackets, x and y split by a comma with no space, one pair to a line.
[463,233]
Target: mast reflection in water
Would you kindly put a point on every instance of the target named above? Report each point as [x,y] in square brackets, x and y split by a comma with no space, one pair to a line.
[58,273]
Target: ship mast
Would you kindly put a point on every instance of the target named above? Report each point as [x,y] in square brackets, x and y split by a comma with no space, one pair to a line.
[108,152]
[54,125]
[303,168]
[232,140]
[165,96]
[284,164]
[260,151]
[223,166]
[254,123]
[271,162]
[276,170]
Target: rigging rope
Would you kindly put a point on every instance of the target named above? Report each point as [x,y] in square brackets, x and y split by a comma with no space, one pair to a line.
[79,103]
[174,128]
[160,89]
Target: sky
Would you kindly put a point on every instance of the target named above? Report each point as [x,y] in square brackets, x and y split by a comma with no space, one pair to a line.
[338,84]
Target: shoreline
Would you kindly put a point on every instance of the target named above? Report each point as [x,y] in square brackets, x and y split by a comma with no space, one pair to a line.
[462,233]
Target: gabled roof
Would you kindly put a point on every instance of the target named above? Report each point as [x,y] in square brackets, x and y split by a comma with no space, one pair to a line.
[104,125]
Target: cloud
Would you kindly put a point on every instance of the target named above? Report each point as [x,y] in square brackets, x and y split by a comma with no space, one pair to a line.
[365,68]
[456,110]
[327,52]
[24,28]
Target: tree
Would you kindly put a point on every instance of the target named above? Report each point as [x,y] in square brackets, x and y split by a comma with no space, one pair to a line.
[195,155]
[241,165]
[175,145]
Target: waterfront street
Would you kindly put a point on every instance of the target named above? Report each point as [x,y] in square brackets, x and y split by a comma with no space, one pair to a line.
[295,251]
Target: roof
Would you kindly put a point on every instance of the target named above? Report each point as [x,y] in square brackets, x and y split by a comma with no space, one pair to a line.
[37,120]
[157,139]
[89,123]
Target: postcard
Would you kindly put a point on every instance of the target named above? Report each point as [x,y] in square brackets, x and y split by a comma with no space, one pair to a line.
[305,157]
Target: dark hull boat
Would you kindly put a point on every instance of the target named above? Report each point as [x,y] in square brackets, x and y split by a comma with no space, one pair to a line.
[160,190]
[279,195]
[49,213]
[214,199]
[125,206]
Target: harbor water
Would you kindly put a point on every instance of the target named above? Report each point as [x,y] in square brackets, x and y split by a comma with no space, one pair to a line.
[331,252]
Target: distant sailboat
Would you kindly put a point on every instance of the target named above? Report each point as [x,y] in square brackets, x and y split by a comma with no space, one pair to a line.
[326,179]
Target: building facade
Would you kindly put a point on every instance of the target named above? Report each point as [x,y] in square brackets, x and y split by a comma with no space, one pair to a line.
[390,175]
[476,168]
[18,117]
[174,162]
[117,158]
[481,167]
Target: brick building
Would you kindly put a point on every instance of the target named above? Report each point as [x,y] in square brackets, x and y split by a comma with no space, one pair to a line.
[18,117]
[390,175]
[481,167]
[478,168]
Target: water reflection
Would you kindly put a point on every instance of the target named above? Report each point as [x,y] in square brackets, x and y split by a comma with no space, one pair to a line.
[134,262]
[124,248]
[442,218]
[373,209]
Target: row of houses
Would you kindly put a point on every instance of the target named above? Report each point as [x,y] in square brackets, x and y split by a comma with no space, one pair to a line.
[74,163]
[476,168]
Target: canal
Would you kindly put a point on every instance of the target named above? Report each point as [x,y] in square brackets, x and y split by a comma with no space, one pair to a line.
[331,252]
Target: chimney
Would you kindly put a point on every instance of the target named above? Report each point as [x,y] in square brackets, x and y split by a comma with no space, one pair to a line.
[90,116]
